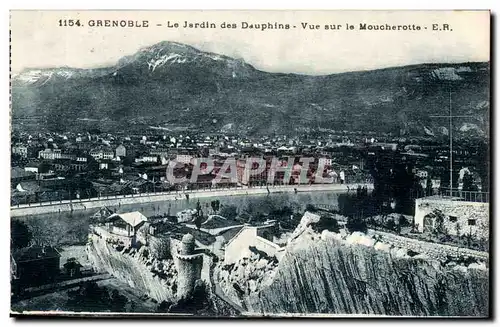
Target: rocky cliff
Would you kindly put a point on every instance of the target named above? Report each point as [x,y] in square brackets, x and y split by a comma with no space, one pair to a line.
[355,274]
[153,270]
[149,276]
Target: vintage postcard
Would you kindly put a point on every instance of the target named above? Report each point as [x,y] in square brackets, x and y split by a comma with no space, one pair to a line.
[250,163]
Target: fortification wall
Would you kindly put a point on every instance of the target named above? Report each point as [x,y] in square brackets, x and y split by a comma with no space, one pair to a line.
[189,272]
[433,250]
[267,246]
[160,247]
[155,278]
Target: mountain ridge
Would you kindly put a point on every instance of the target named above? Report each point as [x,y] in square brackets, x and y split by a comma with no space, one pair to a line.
[174,84]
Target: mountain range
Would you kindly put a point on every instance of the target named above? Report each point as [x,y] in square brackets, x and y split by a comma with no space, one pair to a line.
[171,85]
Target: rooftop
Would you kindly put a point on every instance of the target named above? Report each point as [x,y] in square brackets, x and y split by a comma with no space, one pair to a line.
[132,218]
[17,172]
[35,253]
[217,221]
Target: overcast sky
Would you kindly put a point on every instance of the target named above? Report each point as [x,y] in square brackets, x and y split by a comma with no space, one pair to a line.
[37,41]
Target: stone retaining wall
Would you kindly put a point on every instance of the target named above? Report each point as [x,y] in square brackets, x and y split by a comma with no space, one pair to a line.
[435,250]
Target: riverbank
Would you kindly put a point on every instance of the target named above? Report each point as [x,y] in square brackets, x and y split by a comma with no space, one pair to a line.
[84,204]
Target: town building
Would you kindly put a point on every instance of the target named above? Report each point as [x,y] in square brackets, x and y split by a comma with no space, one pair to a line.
[325,162]
[20,150]
[18,175]
[101,153]
[183,158]
[160,152]
[147,159]
[35,265]
[127,225]
[385,146]
[257,237]
[422,173]
[50,154]
[33,167]
[121,151]
[54,154]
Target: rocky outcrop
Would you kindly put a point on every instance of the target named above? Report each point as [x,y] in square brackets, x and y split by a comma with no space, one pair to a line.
[157,270]
[247,276]
[138,268]
[334,273]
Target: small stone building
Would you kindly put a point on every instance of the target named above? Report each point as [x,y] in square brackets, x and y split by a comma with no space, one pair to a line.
[459,217]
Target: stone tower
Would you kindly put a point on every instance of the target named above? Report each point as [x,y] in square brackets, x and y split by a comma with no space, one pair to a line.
[189,265]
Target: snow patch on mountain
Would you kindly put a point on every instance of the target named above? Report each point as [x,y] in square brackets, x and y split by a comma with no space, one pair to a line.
[161,60]
[447,74]
[428,131]
[170,58]
[443,130]
[469,127]
[41,76]
[215,57]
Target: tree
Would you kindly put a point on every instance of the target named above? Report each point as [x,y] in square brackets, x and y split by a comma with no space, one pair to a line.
[428,187]
[215,205]
[20,234]
[458,229]
[356,224]
[391,224]
[404,183]
[330,224]
[198,218]
[438,217]
[72,267]
[468,183]
[311,208]
[229,212]
[403,222]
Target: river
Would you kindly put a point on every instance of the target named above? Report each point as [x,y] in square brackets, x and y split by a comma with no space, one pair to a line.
[69,228]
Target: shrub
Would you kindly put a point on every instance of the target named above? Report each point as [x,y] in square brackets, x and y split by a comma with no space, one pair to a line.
[311,208]
[356,224]
[330,224]
[403,222]
[229,212]
[390,224]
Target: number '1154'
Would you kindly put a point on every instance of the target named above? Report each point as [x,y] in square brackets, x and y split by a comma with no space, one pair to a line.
[69,22]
